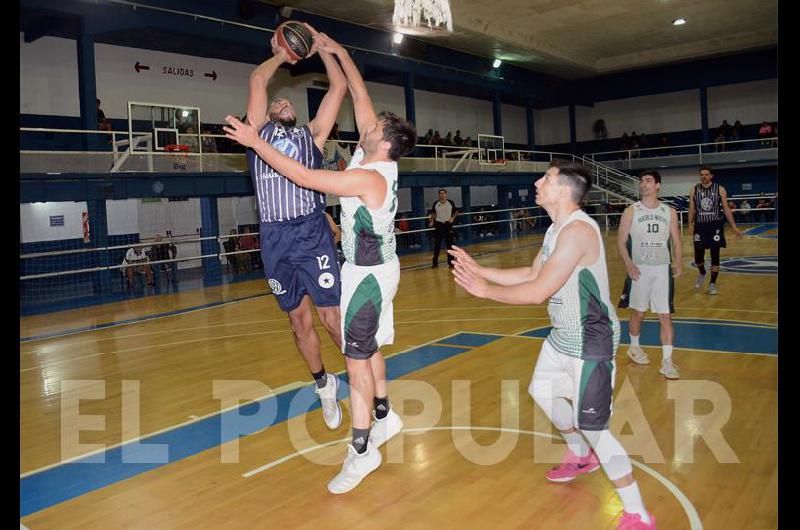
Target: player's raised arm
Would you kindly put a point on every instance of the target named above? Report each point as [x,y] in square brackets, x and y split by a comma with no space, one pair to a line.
[362,103]
[260,78]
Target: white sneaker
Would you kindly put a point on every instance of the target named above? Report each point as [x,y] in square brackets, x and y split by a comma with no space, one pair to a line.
[669,370]
[387,428]
[638,355]
[712,288]
[331,411]
[698,282]
[355,468]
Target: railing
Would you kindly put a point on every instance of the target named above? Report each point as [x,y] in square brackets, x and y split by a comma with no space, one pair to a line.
[738,151]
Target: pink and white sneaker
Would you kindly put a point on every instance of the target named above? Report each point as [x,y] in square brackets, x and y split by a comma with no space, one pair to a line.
[633,521]
[573,466]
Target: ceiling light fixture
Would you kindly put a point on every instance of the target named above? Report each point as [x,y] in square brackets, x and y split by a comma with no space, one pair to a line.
[679,22]
[497,63]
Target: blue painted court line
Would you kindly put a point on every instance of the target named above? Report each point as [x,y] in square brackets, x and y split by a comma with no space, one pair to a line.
[67,481]
[739,338]
[761,229]
[137,319]
[470,339]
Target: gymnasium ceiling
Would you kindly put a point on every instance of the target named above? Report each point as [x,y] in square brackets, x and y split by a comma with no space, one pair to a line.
[571,39]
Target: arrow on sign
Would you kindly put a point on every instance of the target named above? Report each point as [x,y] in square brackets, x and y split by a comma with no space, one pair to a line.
[139,67]
[212,75]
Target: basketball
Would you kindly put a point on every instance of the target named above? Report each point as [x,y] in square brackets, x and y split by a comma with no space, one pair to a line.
[295,38]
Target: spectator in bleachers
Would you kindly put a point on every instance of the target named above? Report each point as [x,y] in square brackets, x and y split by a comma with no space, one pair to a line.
[209,142]
[600,131]
[663,143]
[765,131]
[448,140]
[468,141]
[437,139]
[426,140]
[736,130]
[644,143]
[162,251]
[102,123]
[634,145]
[136,262]
[457,140]
[745,207]
[190,138]
[232,245]
[732,206]
[762,205]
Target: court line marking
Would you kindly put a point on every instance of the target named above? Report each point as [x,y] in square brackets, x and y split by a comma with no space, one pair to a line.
[772,355]
[688,508]
[137,320]
[51,364]
[725,309]
[274,392]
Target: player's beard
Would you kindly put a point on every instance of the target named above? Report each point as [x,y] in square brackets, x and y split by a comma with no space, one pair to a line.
[290,122]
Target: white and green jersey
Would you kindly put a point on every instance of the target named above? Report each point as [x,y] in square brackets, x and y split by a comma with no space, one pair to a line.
[584,322]
[368,235]
[648,241]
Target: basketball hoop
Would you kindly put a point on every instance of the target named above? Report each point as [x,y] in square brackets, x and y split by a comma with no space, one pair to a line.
[422,17]
[178,154]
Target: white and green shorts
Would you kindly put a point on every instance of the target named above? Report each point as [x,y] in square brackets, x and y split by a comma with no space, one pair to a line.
[367,307]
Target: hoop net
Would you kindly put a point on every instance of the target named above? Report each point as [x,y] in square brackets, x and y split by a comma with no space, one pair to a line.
[422,17]
[178,153]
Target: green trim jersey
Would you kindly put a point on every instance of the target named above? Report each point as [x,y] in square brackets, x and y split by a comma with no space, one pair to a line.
[648,241]
[584,323]
[368,235]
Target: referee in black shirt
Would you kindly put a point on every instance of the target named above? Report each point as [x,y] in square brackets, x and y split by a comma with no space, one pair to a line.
[443,214]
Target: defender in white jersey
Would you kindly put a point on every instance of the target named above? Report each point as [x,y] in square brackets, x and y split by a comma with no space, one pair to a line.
[371,273]
[649,241]
[573,380]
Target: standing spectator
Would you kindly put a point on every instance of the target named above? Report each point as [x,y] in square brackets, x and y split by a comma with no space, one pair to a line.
[634,145]
[448,140]
[102,123]
[209,142]
[600,131]
[457,140]
[732,206]
[442,215]
[426,140]
[761,206]
[736,131]
[643,142]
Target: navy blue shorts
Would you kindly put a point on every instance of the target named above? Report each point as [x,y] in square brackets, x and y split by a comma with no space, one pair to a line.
[300,259]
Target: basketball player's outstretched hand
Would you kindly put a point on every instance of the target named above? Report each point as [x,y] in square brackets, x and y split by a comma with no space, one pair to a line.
[243,133]
[467,278]
[461,256]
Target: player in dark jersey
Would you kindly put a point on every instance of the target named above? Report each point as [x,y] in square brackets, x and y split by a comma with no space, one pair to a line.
[707,202]
[300,260]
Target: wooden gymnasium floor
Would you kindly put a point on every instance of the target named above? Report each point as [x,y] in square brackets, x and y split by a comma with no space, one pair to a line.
[456,361]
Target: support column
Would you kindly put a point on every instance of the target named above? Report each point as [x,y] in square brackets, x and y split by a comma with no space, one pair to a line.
[408,85]
[87,90]
[98,238]
[209,227]
[573,144]
[704,113]
[497,114]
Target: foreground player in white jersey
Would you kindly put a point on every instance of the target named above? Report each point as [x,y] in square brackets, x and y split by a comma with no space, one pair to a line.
[371,273]
[576,362]
[648,232]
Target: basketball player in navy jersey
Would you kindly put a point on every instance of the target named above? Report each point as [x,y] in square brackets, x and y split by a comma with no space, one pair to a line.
[297,249]
[707,202]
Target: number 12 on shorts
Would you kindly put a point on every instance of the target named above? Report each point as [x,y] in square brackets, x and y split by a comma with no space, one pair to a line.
[322,261]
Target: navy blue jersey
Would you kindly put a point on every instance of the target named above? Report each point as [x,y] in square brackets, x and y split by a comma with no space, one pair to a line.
[280,199]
